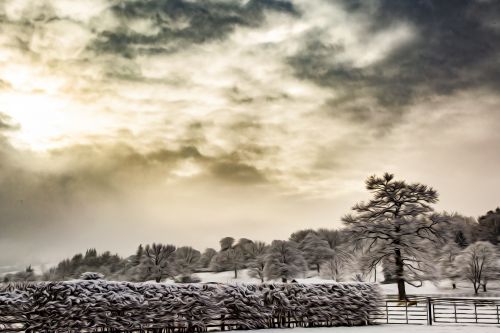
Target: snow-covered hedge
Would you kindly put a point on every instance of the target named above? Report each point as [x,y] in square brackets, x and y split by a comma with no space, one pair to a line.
[74,305]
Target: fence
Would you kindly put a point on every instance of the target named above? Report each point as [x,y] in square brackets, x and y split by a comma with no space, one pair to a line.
[415,310]
[437,310]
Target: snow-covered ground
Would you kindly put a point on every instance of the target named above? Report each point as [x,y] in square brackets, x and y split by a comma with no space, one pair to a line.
[444,287]
[392,328]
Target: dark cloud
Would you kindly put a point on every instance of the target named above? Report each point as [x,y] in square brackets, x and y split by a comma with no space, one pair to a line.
[179,23]
[234,171]
[455,48]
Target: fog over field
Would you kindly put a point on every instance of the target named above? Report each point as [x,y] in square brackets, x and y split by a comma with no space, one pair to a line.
[176,121]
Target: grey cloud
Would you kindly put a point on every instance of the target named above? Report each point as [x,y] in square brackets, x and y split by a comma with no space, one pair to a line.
[180,23]
[7,124]
[36,197]
[454,50]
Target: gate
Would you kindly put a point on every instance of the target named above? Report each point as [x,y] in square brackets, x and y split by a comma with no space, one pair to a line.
[435,310]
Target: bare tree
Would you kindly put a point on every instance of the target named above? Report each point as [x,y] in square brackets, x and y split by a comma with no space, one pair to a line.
[315,250]
[186,260]
[256,252]
[447,255]
[229,259]
[230,256]
[284,261]
[396,224]
[160,261]
[207,257]
[340,254]
[477,263]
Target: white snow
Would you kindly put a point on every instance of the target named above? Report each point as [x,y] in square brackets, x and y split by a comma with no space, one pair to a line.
[393,328]
[443,287]
[227,277]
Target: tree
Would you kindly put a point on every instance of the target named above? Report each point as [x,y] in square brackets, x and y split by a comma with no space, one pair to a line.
[299,236]
[139,255]
[255,252]
[229,259]
[489,226]
[396,224]
[477,263]
[448,253]
[160,261]
[284,261]
[206,257]
[315,250]
[339,256]
[226,243]
[186,260]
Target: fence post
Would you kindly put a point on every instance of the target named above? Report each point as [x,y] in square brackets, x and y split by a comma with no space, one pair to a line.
[455,308]
[406,311]
[475,310]
[429,311]
[387,311]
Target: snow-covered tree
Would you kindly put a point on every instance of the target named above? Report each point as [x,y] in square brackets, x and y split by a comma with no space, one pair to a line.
[315,250]
[340,256]
[186,260]
[299,236]
[397,223]
[284,260]
[207,257]
[226,243]
[489,226]
[477,263]
[160,261]
[447,255]
[256,252]
[229,259]
[138,256]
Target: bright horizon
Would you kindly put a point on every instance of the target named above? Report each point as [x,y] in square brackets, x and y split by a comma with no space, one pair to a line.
[187,121]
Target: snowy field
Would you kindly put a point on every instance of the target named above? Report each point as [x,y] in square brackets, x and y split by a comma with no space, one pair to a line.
[393,329]
[464,289]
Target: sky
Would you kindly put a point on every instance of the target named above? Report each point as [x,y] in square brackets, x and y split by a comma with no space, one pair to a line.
[184,121]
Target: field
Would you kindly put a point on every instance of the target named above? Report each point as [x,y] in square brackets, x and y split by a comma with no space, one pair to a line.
[392,329]
[443,287]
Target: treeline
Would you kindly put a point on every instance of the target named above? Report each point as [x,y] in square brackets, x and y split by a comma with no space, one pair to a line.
[328,252]
[396,232]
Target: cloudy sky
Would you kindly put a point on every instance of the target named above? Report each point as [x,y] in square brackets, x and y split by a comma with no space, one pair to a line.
[183,121]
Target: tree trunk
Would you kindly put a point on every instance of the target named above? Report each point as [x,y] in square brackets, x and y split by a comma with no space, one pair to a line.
[484,287]
[399,275]
[317,268]
[235,273]
[401,290]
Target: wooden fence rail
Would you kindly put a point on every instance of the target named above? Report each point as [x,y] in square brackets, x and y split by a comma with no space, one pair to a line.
[437,310]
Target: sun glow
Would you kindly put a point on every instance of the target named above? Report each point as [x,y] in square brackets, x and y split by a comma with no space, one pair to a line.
[41,117]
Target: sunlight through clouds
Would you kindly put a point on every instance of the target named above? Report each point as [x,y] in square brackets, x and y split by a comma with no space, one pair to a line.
[241,111]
